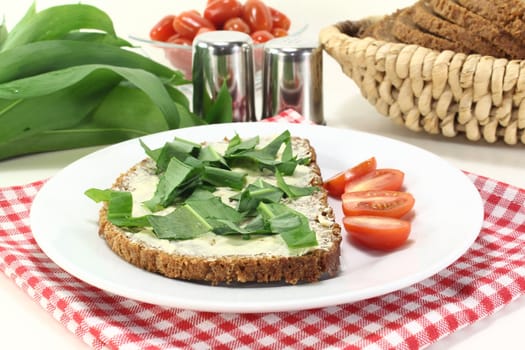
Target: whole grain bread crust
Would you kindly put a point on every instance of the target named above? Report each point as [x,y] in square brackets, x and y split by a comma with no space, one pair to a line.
[310,267]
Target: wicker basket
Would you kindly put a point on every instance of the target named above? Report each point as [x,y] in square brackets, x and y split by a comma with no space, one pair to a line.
[439,92]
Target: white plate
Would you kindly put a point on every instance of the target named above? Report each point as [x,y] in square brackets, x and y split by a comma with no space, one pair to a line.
[448,218]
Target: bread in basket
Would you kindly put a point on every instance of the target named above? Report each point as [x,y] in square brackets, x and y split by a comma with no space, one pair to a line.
[447,67]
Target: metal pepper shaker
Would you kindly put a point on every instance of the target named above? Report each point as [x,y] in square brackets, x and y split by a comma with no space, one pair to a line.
[224,58]
[292,78]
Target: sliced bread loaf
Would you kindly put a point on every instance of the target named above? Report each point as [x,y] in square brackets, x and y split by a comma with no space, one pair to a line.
[429,21]
[452,11]
[406,30]
[506,14]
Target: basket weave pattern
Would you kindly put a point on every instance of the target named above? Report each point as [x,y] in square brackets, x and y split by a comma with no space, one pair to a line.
[438,92]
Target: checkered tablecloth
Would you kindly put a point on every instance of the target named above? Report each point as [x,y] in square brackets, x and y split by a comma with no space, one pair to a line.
[488,276]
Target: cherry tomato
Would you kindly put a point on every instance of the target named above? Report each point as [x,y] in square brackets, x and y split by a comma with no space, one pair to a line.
[163,30]
[237,24]
[378,232]
[379,179]
[393,204]
[203,30]
[219,11]
[279,19]
[279,32]
[257,15]
[336,184]
[261,36]
[188,23]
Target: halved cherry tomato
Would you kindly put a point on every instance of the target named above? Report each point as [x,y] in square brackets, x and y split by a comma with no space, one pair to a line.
[393,204]
[378,232]
[257,15]
[163,30]
[219,11]
[188,23]
[379,179]
[261,36]
[237,24]
[336,184]
[279,19]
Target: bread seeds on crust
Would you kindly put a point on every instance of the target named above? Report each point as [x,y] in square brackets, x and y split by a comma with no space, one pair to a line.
[215,258]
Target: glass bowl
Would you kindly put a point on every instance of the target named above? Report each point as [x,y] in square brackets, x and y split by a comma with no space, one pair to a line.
[179,57]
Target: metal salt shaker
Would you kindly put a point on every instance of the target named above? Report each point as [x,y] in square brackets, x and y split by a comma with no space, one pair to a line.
[224,57]
[292,78]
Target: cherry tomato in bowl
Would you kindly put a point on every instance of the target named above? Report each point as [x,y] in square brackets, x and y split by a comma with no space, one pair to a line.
[257,15]
[261,36]
[237,24]
[220,11]
[245,16]
[279,19]
[163,30]
[188,23]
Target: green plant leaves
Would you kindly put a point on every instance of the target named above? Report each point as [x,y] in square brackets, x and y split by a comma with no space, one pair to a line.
[55,23]
[67,81]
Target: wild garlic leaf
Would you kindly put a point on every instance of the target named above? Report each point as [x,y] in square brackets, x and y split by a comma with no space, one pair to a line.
[237,145]
[292,191]
[292,225]
[178,148]
[214,208]
[182,223]
[259,191]
[209,155]
[245,154]
[223,177]
[120,206]
[55,22]
[177,178]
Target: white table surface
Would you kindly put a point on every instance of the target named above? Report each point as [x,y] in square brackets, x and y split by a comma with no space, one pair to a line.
[25,325]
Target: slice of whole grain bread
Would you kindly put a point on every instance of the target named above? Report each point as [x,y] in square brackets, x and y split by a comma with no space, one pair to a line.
[406,30]
[428,20]
[506,14]
[452,11]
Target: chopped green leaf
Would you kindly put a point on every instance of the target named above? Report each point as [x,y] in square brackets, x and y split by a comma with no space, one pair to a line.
[293,226]
[178,148]
[245,154]
[223,178]
[237,145]
[182,223]
[292,191]
[209,155]
[120,206]
[294,229]
[177,178]
[214,208]
[98,195]
[259,191]
[201,193]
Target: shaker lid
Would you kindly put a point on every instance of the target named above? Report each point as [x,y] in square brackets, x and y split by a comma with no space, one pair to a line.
[290,45]
[222,42]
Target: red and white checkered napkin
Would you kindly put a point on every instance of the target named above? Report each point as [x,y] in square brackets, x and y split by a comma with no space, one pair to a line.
[490,275]
[288,116]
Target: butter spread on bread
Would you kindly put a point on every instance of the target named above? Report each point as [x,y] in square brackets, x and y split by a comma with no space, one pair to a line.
[217,258]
